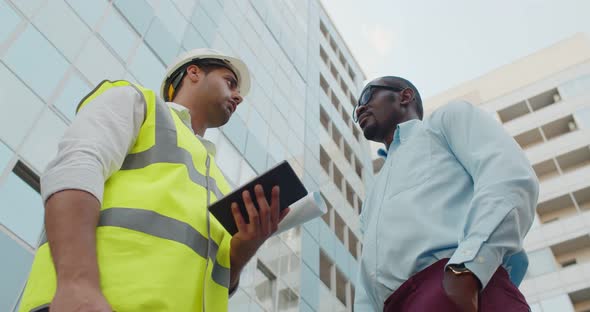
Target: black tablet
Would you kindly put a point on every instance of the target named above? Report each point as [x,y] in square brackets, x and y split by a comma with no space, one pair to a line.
[291,190]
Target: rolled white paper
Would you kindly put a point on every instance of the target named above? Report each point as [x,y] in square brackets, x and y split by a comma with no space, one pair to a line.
[303,210]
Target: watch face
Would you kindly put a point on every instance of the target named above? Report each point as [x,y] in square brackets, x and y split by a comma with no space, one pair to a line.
[458,269]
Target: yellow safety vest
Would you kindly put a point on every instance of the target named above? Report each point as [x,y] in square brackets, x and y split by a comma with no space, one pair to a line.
[152,237]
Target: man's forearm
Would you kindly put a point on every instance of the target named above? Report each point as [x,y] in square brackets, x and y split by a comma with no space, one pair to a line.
[71,217]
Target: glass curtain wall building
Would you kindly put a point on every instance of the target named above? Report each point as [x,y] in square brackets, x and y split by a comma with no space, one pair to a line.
[543,101]
[53,52]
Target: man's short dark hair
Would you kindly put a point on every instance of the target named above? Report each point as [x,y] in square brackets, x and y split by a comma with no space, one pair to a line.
[404,83]
[205,65]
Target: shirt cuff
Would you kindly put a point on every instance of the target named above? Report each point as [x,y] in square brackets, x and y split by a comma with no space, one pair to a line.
[482,261]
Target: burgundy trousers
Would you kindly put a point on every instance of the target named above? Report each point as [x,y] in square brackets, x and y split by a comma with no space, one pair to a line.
[424,292]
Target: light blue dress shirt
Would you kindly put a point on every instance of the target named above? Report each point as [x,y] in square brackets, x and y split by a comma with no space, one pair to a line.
[456,186]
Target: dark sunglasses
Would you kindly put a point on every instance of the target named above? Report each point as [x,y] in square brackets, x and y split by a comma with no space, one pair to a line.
[367,94]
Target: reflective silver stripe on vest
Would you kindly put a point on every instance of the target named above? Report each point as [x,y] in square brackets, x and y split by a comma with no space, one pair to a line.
[155,224]
[165,150]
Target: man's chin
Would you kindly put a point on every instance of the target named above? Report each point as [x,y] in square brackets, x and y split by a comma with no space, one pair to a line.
[220,121]
[369,132]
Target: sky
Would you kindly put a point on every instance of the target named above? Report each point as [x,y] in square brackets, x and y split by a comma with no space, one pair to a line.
[438,44]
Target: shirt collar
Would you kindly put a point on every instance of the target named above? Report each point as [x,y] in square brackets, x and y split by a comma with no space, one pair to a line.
[404,131]
[184,114]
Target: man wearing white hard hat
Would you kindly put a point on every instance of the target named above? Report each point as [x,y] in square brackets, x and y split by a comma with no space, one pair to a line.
[126,198]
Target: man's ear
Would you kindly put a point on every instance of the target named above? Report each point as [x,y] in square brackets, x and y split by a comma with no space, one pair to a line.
[406,96]
[194,73]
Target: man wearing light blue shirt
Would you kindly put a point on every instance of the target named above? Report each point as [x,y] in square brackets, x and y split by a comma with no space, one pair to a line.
[451,205]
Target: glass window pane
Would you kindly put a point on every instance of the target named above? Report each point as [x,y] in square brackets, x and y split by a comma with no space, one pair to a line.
[21,210]
[309,293]
[310,252]
[275,148]
[28,7]
[246,173]
[63,28]
[204,24]
[193,39]
[239,301]
[41,145]
[258,125]
[297,125]
[212,134]
[137,12]
[129,77]
[575,87]
[290,263]
[281,103]
[582,117]
[172,20]
[230,34]
[278,125]
[561,303]
[117,33]
[147,68]
[270,162]
[9,19]
[295,146]
[24,108]
[213,9]
[288,300]
[255,154]
[96,71]
[74,90]
[186,7]
[541,262]
[5,156]
[269,254]
[16,263]
[89,11]
[327,302]
[162,41]
[26,62]
[256,307]
[235,132]
[228,160]
[265,286]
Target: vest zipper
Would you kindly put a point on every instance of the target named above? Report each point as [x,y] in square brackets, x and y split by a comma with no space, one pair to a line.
[207,166]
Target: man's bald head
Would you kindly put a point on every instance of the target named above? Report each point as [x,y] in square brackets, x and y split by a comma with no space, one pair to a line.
[402,83]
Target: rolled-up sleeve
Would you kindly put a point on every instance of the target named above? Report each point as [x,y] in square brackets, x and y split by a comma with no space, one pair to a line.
[505,189]
[96,143]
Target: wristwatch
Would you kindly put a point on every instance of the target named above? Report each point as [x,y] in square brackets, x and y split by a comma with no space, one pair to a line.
[458,269]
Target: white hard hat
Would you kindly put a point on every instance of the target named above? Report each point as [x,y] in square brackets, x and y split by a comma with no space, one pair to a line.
[235,64]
